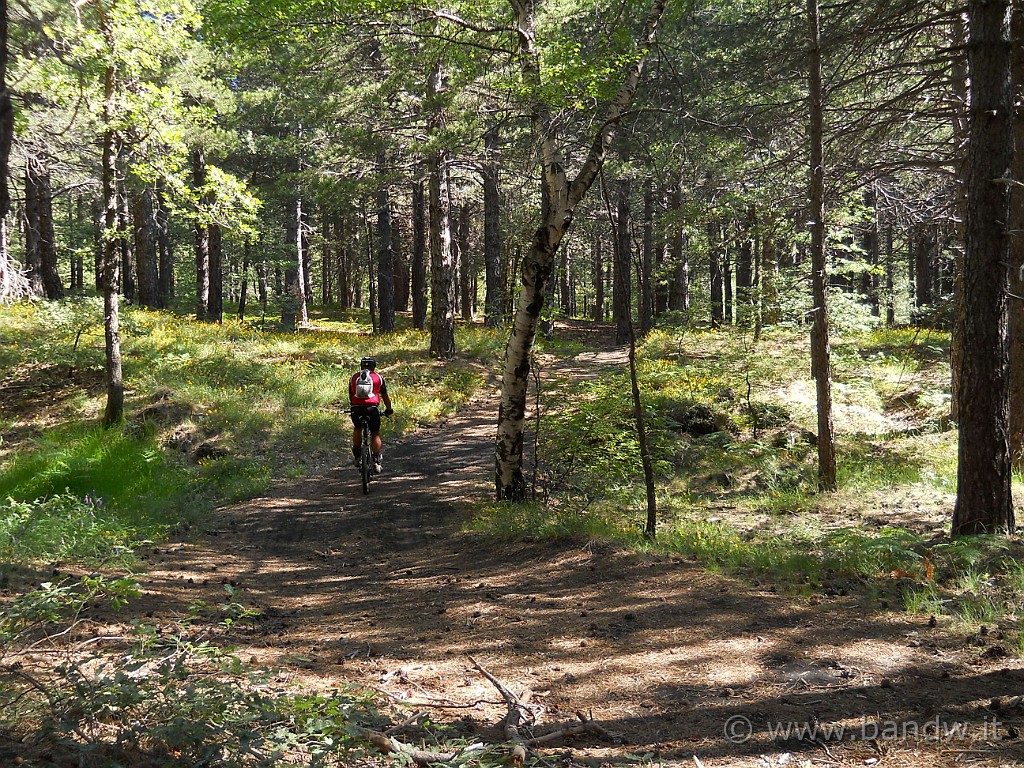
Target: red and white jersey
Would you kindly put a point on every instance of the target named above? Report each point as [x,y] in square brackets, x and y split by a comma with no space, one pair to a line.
[379,388]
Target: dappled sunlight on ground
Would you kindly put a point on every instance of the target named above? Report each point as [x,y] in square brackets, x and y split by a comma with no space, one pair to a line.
[386,592]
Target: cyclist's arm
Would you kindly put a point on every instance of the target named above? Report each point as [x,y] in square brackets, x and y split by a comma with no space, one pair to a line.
[386,400]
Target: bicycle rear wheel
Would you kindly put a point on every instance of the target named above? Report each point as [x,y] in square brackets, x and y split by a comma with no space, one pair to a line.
[366,463]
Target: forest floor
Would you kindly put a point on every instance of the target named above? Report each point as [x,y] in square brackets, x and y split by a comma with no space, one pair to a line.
[679,665]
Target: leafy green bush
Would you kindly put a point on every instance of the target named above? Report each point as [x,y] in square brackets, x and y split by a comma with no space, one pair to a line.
[63,527]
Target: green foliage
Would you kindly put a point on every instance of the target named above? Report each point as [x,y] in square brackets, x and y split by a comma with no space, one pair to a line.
[178,699]
[187,702]
[64,527]
[88,494]
[534,521]
[797,558]
[51,605]
[107,466]
[891,549]
[65,333]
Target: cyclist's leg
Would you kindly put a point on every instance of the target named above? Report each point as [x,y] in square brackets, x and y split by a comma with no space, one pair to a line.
[376,447]
[357,437]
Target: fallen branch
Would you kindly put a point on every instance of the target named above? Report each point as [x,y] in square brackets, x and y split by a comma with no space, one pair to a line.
[587,725]
[391,746]
[518,713]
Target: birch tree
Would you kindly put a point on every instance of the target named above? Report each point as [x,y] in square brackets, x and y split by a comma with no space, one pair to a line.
[564,195]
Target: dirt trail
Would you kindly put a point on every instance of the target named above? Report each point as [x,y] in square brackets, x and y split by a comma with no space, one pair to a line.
[385,591]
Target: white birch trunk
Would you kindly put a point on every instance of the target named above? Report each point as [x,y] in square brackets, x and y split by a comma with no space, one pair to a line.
[563,197]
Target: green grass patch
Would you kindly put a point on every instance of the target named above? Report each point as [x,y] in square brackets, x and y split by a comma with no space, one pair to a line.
[89,494]
[534,522]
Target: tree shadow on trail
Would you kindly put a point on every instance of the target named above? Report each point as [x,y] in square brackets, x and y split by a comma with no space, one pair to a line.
[384,591]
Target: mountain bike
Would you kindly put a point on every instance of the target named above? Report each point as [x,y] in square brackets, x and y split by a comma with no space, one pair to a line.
[367,467]
[366,470]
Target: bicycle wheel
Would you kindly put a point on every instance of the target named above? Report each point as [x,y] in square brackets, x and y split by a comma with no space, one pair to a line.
[366,463]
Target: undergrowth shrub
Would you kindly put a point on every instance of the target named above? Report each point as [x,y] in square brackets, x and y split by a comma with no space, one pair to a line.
[63,527]
[171,698]
[180,702]
[44,610]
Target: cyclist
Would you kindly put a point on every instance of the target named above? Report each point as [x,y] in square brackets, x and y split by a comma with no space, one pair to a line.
[366,391]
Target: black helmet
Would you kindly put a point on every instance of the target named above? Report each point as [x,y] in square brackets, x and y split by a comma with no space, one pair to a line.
[367,363]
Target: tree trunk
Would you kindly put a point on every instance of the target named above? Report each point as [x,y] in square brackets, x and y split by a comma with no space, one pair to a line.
[821,364]
[870,247]
[300,288]
[12,285]
[923,267]
[493,304]
[679,285]
[262,276]
[202,237]
[538,263]
[371,278]
[343,254]
[597,267]
[146,248]
[1016,245]
[646,281]
[32,234]
[114,410]
[547,319]
[622,298]
[565,301]
[465,265]
[651,524]
[326,262]
[78,260]
[293,303]
[758,281]
[745,268]
[984,501]
[126,246]
[715,273]
[890,278]
[770,257]
[165,259]
[961,124]
[41,224]
[419,258]
[243,290]
[400,265]
[727,281]
[661,285]
[442,261]
[385,251]
[215,310]
[442,253]
[6,134]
